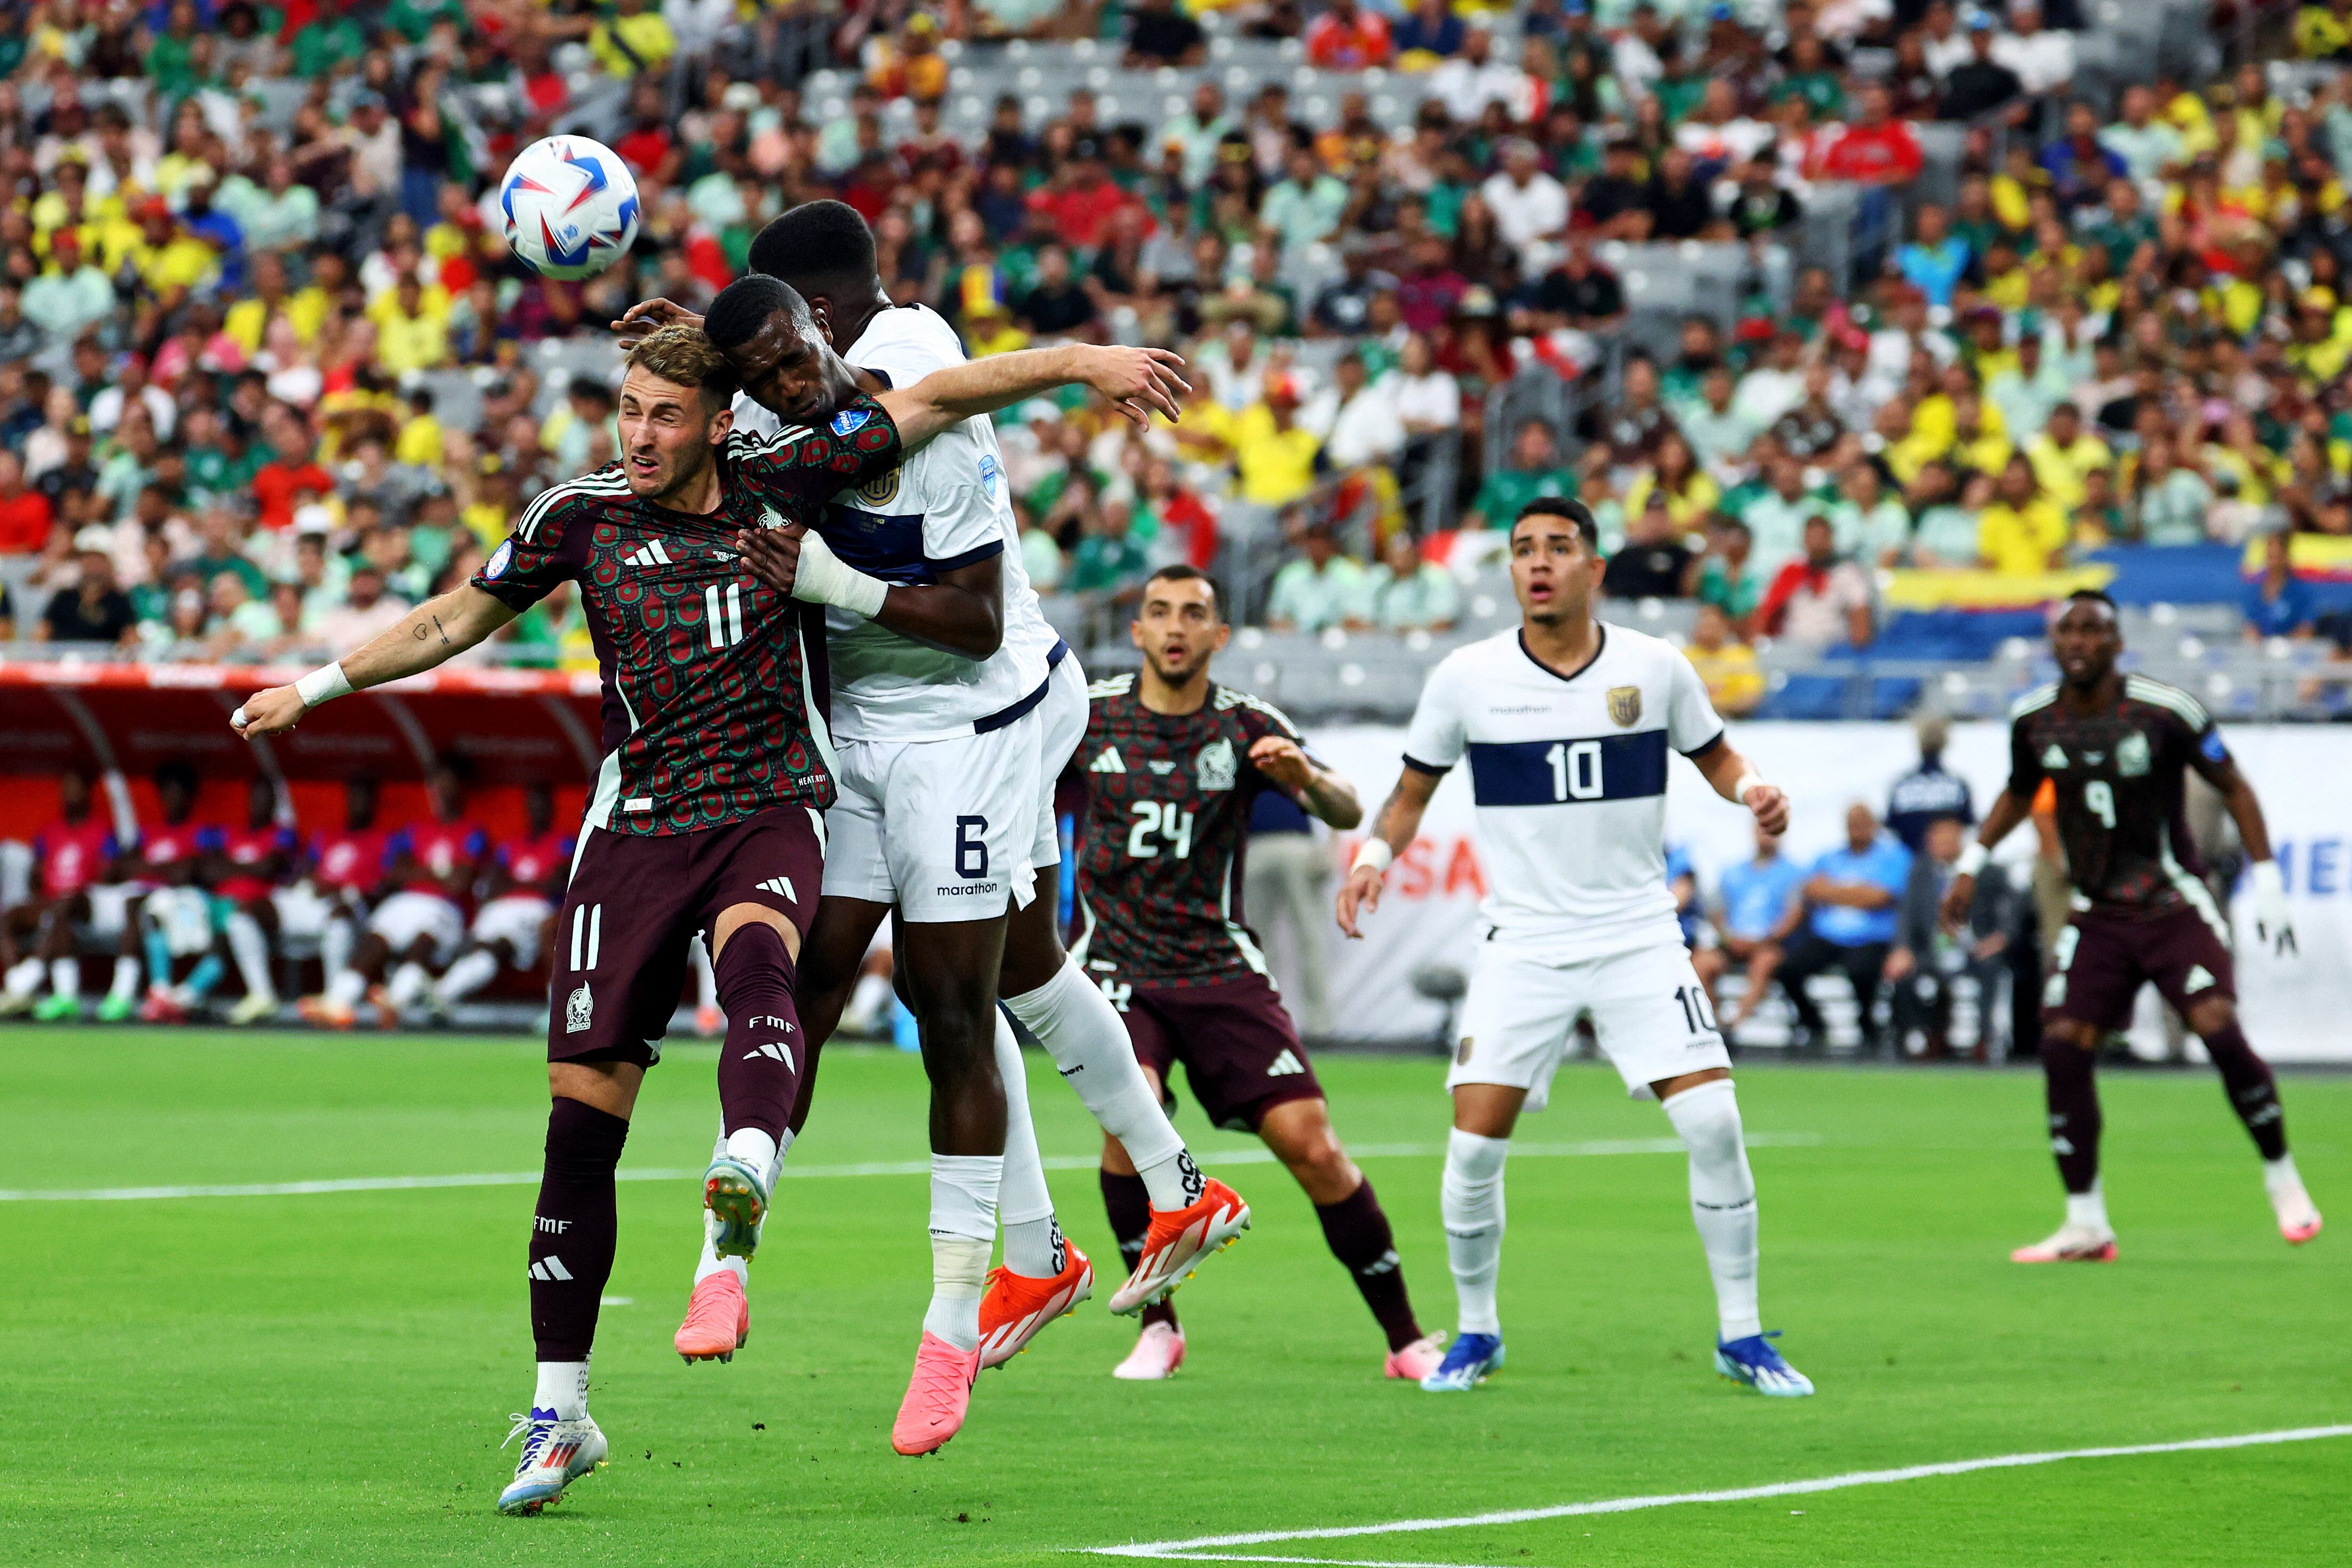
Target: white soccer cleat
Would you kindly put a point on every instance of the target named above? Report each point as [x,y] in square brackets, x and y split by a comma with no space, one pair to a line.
[1158,1352]
[254,1009]
[555,1455]
[2071,1243]
[2298,1217]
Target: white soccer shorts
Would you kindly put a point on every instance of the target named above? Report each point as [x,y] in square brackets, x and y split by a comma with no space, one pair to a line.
[517,920]
[1647,1008]
[303,915]
[408,914]
[954,829]
[110,909]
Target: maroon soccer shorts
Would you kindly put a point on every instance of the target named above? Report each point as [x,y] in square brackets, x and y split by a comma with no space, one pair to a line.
[633,907]
[1240,1051]
[2102,959]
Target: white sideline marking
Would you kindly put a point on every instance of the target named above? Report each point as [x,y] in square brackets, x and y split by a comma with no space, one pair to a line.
[1190,1550]
[873,1168]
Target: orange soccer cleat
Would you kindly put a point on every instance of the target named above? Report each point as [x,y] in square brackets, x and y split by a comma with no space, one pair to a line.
[937,1397]
[325,1013]
[1177,1243]
[1018,1307]
[718,1319]
[1417,1360]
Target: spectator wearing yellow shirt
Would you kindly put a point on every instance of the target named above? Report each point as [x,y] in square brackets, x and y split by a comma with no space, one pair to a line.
[992,330]
[169,260]
[1273,455]
[2023,533]
[412,327]
[247,321]
[420,443]
[1727,666]
[2063,454]
[1692,494]
[635,39]
[2316,353]
[2323,31]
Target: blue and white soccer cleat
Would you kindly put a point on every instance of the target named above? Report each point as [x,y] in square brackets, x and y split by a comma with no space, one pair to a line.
[1754,1362]
[555,1455]
[738,1200]
[1468,1362]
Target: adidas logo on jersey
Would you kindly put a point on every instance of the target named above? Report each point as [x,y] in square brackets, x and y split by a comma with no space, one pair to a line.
[551,1268]
[782,888]
[2199,978]
[1109,763]
[2055,757]
[775,1051]
[1285,1064]
[649,553]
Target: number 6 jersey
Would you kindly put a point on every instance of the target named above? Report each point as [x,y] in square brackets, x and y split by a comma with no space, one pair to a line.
[1161,836]
[1570,776]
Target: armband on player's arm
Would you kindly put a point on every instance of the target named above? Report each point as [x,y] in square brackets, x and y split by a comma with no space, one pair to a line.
[824,578]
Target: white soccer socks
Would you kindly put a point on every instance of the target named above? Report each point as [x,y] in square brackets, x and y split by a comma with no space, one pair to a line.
[250,946]
[1025,1207]
[1723,1199]
[2090,1209]
[562,1388]
[471,972]
[1081,1031]
[1471,1205]
[335,945]
[122,988]
[964,1189]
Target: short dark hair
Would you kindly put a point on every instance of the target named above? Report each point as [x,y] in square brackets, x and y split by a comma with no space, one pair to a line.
[1183,572]
[2096,596]
[743,307]
[1576,511]
[816,246]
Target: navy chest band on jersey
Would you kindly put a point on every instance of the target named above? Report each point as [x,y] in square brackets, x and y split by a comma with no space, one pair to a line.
[1564,772]
[891,547]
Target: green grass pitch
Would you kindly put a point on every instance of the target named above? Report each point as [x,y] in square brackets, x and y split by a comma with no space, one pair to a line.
[325,1378]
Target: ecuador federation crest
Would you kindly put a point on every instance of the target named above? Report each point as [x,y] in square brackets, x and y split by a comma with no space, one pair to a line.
[879,490]
[1625,706]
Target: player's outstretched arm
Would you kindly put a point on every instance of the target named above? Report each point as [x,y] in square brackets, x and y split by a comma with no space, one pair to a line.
[2268,883]
[2007,810]
[1323,793]
[436,630]
[1730,775]
[1392,832]
[1136,381]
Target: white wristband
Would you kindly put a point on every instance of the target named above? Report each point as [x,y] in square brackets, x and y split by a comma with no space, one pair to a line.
[1972,859]
[323,684]
[1747,782]
[2266,879]
[824,578]
[1376,854]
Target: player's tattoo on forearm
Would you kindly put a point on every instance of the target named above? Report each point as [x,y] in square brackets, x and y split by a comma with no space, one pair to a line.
[420,633]
[437,626]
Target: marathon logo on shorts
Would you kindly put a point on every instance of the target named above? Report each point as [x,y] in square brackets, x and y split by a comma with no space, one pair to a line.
[579,1011]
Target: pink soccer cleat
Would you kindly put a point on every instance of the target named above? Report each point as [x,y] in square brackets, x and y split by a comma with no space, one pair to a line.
[2298,1217]
[937,1397]
[1017,1306]
[1417,1360]
[1158,1352]
[1177,1243]
[718,1319]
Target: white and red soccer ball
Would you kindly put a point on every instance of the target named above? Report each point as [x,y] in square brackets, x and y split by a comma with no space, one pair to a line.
[570,206]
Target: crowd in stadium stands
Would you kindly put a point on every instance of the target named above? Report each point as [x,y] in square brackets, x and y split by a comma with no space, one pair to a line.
[217,324]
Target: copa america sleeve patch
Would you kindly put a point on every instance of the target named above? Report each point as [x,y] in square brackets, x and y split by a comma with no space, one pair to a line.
[850,420]
[495,567]
[2215,752]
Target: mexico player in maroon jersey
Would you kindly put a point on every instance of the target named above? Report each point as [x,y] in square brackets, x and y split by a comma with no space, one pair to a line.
[255,860]
[705,813]
[509,930]
[76,853]
[1171,762]
[2116,748]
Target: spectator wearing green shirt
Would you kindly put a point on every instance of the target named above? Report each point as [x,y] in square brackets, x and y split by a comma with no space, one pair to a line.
[2147,144]
[1535,471]
[1718,433]
[1873,528]
[1320,589]
[1407,594]
[1304,206]
[326,45]
[1109,560]
[1728,578]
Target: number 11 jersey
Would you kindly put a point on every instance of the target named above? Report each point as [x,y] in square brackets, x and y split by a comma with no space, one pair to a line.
[1569,773]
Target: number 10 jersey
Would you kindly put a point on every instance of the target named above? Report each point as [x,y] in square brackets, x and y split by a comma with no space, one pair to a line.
[1569,772]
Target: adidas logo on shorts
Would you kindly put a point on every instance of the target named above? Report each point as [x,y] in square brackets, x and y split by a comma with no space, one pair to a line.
[650,553]
[1285,1064]
[782,888]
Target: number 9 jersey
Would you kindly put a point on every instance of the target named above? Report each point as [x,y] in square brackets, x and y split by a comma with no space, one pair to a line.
[1569,773]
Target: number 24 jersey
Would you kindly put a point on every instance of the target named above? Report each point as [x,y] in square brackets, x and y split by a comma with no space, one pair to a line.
[1569,773]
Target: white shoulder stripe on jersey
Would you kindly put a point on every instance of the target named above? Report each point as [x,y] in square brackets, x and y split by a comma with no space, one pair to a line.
[1229,698]
[760,446]
[2034,701]
[2146,689]
[1111,685]
[597,486]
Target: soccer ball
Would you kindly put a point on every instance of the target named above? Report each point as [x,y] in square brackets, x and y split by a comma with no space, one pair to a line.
[571,207]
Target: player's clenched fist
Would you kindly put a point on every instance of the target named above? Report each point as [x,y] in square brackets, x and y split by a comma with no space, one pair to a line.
[268,713]
[772,554]
[1770,804]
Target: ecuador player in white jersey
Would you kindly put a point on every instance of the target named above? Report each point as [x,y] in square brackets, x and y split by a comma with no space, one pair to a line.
[1566,724]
